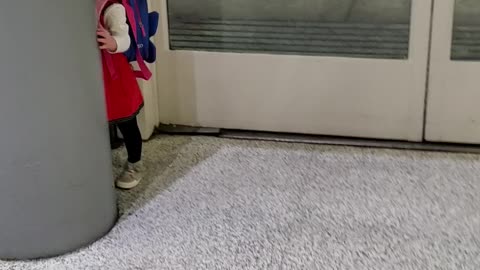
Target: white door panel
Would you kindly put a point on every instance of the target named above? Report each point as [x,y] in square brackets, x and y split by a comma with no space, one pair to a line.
[453,113]
[332,95]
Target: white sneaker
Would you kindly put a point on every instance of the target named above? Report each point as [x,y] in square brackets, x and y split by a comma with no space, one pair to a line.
[131,177]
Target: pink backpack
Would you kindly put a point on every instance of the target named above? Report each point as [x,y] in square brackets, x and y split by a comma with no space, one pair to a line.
[144,72]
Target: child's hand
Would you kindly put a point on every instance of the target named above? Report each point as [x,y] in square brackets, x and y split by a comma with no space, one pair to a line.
[106,41]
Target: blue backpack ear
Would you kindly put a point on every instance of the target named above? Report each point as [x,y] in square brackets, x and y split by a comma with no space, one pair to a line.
[153,22]
[152,53]
[150,21]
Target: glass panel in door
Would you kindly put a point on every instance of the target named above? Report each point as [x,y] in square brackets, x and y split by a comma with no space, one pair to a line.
[350,28]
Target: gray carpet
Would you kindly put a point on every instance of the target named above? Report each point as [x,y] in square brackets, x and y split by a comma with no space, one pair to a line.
[220,204]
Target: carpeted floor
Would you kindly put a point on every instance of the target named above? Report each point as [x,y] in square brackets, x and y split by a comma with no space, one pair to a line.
[219,204]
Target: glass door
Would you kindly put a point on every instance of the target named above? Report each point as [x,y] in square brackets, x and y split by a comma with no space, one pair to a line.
[453,112]
[333,67]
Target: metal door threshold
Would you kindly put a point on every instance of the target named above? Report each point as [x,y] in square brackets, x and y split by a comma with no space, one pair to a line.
[316,139]
[346,141]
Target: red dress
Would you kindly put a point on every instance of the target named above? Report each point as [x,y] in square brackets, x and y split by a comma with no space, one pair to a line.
[123,95]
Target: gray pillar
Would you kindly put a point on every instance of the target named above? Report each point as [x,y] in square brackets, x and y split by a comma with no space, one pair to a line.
[56,187]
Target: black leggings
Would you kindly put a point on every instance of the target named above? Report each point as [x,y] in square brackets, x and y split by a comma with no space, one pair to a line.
[132,138]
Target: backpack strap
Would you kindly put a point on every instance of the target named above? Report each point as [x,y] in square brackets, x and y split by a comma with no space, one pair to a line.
[144,72]
[137,10]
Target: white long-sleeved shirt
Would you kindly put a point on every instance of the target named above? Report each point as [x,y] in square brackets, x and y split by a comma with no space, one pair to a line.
[115,20]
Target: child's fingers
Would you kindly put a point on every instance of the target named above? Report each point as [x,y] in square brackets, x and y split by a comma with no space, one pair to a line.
[102,40]
[102,45]
[103,33]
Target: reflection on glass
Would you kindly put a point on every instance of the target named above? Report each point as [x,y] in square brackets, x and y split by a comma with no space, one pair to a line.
[466,30]
[352,28]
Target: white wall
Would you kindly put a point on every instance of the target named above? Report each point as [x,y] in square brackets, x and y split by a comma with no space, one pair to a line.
[148,118]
